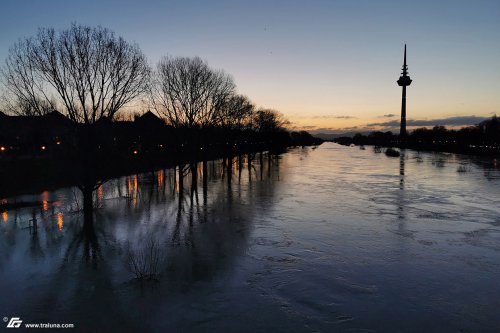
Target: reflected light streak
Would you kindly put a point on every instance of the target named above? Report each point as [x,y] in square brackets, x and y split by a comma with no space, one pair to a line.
[45,201]
[136,189]
[100,194]
[161,178]
[177,187]
[129,186]
[5,216]
[60,220]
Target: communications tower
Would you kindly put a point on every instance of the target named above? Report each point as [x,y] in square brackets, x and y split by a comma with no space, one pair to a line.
[404,81]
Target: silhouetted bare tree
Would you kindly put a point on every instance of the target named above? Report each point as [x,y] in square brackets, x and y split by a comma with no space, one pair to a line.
[85,72]
[236,112]
[19,106]
[268,120]
[25,91]
[188,93]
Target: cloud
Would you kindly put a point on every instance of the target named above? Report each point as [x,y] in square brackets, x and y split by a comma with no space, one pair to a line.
[349,128]
[389,115]
[324,130]
[450,121]
[330,116]
[336,130]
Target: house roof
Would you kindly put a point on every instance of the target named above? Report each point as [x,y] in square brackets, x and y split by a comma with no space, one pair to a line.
[149,118]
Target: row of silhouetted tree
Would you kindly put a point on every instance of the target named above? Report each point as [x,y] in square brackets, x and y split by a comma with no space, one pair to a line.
[88,73]
[483,138]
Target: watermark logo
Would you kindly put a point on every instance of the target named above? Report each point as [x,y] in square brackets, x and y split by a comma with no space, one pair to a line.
[14,322]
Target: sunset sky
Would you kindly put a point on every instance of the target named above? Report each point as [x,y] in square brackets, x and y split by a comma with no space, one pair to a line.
[329,66]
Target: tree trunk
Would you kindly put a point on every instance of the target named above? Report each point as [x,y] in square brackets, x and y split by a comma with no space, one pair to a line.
[229,171]
[269,164]
[88,205]
[181,178]
[205,182]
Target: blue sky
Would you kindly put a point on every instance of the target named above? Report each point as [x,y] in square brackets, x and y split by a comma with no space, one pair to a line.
[324,64]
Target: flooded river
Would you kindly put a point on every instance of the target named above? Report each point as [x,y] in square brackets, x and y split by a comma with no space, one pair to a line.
[333,239]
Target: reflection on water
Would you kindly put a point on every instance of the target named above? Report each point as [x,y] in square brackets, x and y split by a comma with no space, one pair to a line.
[327,239]
[45,201]
[60,219]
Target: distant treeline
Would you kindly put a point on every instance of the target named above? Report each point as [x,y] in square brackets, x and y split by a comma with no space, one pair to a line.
[147,136]
[480,139]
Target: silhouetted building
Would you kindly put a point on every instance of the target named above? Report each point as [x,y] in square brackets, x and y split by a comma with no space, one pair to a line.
[150,121]
[21,132]
[404,81]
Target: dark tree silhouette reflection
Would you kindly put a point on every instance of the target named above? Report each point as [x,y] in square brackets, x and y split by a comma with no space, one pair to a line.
[198,216]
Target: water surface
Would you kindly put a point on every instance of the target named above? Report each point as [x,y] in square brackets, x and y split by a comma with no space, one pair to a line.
[318,240]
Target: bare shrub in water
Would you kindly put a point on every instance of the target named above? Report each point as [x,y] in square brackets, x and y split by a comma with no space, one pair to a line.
[463,168]
[145,262]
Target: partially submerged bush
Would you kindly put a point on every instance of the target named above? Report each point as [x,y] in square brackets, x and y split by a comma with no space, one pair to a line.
[146,261]
[391,152]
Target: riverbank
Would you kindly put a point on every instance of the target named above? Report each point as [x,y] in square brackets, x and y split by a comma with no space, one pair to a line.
[482,139]
[36,174]
[442,147]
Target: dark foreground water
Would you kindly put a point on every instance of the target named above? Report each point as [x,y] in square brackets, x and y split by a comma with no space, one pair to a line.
[333,239]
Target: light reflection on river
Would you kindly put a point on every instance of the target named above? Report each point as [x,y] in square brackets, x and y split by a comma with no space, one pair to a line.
[326,239]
